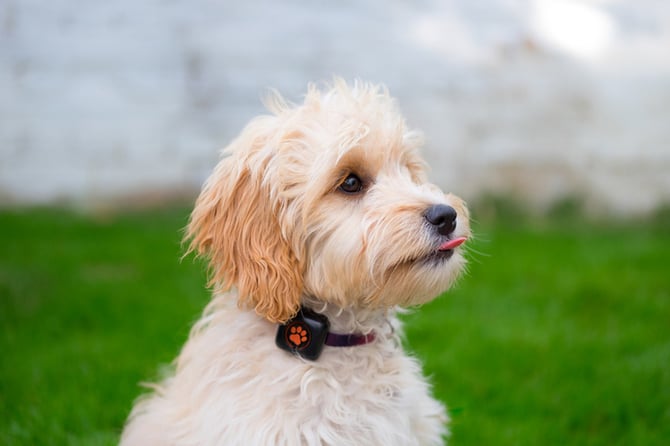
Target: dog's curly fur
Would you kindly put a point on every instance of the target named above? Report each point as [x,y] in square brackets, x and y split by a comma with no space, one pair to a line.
[279,231]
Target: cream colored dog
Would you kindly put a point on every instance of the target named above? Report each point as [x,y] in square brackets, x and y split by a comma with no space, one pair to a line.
[323,207]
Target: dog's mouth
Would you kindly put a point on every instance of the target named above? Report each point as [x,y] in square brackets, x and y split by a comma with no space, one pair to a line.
[443,253]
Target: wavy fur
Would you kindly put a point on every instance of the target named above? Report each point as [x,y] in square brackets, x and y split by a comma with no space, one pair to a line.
[278,232]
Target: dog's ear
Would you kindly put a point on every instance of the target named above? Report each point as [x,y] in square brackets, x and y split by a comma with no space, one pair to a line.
[235,225]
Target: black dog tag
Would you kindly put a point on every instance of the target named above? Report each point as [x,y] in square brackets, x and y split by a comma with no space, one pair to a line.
[304,335]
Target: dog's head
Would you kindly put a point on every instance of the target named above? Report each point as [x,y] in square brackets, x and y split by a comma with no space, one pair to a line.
[328,199]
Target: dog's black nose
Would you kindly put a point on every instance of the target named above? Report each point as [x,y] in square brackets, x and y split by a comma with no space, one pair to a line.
[443,217]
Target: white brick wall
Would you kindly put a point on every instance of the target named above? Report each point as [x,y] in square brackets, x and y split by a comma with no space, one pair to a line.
[103,99]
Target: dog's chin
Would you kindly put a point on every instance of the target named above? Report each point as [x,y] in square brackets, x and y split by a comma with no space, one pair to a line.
[422,278]
[391,279]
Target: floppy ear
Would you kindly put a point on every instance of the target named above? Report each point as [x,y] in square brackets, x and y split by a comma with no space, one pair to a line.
[235,226]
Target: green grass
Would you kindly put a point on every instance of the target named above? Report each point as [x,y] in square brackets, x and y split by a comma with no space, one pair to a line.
[559,333]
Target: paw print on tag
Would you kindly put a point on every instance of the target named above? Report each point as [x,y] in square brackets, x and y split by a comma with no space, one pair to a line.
[298,336]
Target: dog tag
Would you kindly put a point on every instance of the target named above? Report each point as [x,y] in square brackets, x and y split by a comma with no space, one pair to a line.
[304,335]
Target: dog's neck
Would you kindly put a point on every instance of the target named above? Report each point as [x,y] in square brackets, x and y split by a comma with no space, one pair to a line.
[350,319]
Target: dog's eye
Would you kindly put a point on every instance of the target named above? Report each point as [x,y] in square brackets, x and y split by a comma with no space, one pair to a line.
[351,184]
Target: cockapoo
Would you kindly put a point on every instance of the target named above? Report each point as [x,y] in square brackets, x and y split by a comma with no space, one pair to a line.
[318,225]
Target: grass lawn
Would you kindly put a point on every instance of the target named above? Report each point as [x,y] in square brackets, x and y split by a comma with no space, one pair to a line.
[558,335]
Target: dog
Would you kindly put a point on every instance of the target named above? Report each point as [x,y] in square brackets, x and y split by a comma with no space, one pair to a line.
[318,226]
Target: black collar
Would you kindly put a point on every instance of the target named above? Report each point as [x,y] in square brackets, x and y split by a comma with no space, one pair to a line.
[307,333]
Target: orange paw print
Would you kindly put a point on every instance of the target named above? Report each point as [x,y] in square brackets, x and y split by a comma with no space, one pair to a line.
[298,335]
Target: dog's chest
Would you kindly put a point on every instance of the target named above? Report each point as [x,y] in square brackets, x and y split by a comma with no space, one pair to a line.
[340,400]
[241,389]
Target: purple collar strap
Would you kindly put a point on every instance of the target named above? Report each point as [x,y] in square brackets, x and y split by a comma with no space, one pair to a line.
[348,340]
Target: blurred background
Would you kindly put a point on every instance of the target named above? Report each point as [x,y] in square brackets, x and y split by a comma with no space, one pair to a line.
[537,98]
[551,117]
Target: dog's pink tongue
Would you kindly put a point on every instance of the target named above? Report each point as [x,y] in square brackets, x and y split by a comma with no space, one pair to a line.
[451,244]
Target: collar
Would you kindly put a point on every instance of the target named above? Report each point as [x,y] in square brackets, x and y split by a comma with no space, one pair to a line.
[307,333]
[348,340]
